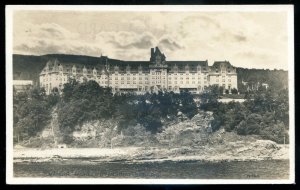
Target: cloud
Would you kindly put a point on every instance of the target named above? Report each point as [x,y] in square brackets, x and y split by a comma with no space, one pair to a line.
[170,44]
[251,54]
[141,42]
[239,38]
[245,39]
[50,38]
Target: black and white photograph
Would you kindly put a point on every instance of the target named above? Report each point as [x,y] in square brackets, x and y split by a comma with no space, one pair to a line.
[165,94]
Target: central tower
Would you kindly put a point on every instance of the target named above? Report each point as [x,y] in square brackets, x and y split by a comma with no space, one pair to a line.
[158,70]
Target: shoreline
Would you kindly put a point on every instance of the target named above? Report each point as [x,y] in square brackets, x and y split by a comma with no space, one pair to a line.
[150,154]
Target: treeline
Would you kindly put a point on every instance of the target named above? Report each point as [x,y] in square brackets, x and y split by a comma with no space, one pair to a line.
[31,112]
[83,102]
[265,114]
[276,79]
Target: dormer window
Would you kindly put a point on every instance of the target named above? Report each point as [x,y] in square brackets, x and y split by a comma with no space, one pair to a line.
[128,69]
[175,69]
[140,68]
[94,71]
[74,69]
[84,71]
[116,68]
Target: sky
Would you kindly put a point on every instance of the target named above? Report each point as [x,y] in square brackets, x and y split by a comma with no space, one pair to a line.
[246,39]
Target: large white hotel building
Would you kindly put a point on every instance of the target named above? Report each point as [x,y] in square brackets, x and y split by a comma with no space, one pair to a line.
[142,76]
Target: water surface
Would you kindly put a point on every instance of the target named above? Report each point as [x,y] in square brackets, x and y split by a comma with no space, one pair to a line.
[269,169]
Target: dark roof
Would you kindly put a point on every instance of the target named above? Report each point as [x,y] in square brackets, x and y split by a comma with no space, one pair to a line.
[184,63]
[220,63]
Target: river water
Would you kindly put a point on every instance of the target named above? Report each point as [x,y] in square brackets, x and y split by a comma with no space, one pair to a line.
[269,169]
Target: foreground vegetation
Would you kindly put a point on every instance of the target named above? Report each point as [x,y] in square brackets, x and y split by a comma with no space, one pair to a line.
[147,117]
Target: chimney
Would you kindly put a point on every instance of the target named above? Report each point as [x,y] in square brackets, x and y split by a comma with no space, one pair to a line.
[152,52]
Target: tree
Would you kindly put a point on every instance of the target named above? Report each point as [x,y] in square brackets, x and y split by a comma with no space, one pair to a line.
[68,89]
[209,98]
[189,107]
[250,126]
[234,91]
[33,117]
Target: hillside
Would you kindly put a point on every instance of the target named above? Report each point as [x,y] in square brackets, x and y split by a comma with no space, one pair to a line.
[28,67]
[277,79]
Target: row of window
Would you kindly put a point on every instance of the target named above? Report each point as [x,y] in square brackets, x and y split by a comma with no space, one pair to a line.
[229,80]
[187,82]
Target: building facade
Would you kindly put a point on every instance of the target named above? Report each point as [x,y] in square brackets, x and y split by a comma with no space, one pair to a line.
[142,76]
[22,85]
